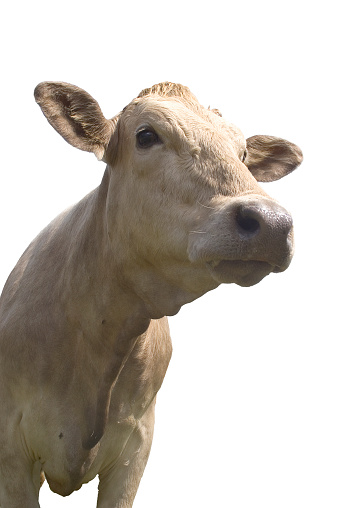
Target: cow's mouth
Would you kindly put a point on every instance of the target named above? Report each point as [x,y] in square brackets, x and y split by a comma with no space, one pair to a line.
[243,273]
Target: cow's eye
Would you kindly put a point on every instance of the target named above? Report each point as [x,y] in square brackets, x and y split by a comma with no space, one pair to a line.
[147,138]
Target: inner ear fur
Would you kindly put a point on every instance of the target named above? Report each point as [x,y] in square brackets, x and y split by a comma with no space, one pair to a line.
[75,115]
[270,158]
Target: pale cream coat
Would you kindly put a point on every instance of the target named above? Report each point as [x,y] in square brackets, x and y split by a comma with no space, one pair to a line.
[84,341]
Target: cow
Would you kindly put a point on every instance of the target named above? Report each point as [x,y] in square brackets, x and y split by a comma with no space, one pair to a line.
[84,337]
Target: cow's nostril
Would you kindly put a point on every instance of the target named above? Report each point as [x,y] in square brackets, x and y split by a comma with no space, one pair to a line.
[248,224]
[247,221]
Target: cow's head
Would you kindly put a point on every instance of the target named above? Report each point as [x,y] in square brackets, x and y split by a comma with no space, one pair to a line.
[184,208]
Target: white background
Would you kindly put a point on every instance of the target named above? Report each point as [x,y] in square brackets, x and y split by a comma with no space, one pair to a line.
[248,413]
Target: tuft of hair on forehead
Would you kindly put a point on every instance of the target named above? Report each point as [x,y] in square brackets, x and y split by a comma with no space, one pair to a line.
[168,89]
[175,90]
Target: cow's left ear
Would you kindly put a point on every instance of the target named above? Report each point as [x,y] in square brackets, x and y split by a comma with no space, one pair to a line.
[269,158]
[75,115]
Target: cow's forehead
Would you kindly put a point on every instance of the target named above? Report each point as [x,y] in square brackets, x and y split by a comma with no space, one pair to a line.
[186,118]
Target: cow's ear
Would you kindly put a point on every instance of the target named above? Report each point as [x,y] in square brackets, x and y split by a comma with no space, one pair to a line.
[75,115]
[269,158]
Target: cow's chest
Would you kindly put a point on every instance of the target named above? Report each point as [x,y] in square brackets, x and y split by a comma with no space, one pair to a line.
[67,464]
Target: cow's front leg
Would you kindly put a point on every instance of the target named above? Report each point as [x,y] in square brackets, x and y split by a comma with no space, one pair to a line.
[119,483]
[19,482]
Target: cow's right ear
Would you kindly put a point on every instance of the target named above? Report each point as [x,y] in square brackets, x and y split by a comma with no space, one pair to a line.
[75,115]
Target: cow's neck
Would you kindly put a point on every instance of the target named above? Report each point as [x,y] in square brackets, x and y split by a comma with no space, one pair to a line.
[160,286]
[112,298]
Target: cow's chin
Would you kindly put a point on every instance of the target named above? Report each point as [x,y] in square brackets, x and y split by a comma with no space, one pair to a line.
[243,273]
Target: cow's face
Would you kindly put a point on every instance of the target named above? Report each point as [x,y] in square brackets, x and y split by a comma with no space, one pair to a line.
[183,196]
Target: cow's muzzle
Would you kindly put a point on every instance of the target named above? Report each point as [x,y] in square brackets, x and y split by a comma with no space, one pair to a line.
[243,240]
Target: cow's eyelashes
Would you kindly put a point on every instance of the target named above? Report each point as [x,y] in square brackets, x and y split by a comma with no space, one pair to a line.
[146,138]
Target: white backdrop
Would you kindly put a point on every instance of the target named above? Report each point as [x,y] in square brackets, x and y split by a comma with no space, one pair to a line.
[248,414]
